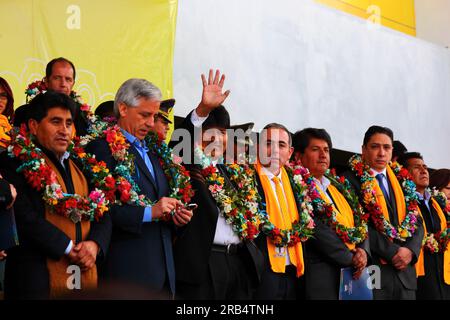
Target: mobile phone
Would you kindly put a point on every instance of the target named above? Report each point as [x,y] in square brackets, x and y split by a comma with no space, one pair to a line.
[191,206]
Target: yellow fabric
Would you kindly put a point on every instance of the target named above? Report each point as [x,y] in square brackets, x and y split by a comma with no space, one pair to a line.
[396,14]
[5,127]
[398,194]
[97,36]
[57,269]
[344,213]
[420,265]
[282,214]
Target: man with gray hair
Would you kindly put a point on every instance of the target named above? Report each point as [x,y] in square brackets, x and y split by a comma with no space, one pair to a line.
[141,243]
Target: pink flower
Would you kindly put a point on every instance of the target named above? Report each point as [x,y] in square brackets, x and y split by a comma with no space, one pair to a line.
[95,195]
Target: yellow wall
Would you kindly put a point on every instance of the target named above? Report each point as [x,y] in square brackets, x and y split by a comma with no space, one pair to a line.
[395,14]
[108,41]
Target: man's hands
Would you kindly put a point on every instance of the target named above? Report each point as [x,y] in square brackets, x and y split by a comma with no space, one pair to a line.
[212,95]
[2,255]
[166,205]
[402,258]
[359,262]
[84,254]
[182,216]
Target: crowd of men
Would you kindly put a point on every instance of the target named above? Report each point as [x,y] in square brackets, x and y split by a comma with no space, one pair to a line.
[277,224]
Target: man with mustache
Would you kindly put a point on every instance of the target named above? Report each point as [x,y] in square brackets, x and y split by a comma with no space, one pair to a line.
[393,249]
[60,76]
[140,253]
[433,268]
[327,253]
[49,242]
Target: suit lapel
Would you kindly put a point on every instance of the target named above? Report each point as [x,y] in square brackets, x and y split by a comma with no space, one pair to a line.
[142,167]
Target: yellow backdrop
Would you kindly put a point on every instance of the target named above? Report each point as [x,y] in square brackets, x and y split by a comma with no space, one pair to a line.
[108,41]
[395,14]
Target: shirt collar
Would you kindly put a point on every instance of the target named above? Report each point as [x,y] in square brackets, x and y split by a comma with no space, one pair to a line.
[269,174]
[133,140]
[426,195]
[64,157]
[323,183]
[375,172]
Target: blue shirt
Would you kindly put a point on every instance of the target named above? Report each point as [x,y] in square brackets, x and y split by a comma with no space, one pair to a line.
[141,147]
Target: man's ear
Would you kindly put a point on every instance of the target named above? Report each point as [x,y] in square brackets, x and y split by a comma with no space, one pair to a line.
[122,109]
[33,125]
[363,151]
[291,151]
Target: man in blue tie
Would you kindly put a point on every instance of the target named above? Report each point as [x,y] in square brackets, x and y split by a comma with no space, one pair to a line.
[393,250]
[140,253]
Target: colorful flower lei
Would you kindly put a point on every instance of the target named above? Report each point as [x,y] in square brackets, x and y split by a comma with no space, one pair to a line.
[41,177]
[239,204]
[442,200]
[303,229]
[438,241]
[177,175]
[368,195]
[39,86]
[243,208]
[327,214]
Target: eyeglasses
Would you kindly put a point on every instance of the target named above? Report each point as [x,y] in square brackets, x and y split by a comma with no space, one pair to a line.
[3,96]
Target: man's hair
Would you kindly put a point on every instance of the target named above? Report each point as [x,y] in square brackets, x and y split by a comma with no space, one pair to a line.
[49,68]
[39,106]
[439,179]
[398,148]
[377,129]
[274,125]
[132,90]
[403,158]
[303,137]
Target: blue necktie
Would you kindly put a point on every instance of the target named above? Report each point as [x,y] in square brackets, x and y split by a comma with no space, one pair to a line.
[143,150]
[380,177]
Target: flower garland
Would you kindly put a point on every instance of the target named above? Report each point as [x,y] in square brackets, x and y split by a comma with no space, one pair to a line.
[41,177]
[39,86]
[327,214]
[241,208]
[438,241]
[239,205]
[368,195]
[177,175]
[442,200]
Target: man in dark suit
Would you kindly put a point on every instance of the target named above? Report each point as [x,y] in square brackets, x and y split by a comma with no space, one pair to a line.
[141,244]
[432,281]
[395,258]
[49,243]
[283,266]
[326,253]
[211,260]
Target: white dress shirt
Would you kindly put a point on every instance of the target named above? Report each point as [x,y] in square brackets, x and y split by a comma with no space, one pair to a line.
[224,232]
[385,182]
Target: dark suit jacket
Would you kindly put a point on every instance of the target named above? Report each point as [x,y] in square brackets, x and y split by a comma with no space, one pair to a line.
[432,286]
[140,253]
[193,246]
[325,255]
[26,274]
[5,194]
[382,248]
